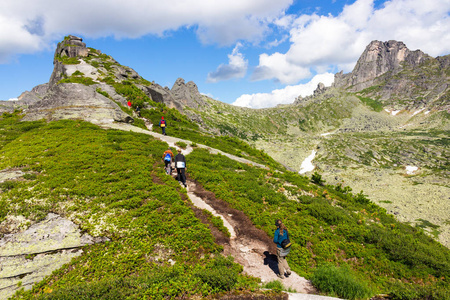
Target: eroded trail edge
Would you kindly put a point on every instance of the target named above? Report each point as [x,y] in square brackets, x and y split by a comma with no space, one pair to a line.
[251,247]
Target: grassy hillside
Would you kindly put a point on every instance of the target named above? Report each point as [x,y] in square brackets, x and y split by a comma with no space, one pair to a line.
[112,184]
[330,225]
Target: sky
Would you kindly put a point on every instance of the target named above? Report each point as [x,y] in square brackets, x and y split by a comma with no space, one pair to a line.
[253,53]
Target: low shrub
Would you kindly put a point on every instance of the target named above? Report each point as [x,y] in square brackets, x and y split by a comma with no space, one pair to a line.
[181,144]
[222,274]
[317,178]
[341,282]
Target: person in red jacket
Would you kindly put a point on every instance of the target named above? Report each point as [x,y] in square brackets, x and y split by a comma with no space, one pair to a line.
[162,124]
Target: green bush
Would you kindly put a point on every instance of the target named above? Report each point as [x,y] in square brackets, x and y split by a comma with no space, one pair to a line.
[222,274]
[340,281]
[406,291]
[181,144]
[8,185]
[317,178]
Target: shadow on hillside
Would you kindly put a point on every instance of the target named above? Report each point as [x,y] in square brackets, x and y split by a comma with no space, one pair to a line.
[271,261]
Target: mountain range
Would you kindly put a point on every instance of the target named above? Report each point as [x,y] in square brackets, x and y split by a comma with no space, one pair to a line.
[378,133]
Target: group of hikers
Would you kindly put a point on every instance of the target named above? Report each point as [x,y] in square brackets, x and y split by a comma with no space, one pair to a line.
[281,236]
[180,164]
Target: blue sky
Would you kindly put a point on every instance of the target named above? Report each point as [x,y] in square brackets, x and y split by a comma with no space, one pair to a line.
[255,53]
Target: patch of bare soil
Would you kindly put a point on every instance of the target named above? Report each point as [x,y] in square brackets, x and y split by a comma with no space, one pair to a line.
[251,247]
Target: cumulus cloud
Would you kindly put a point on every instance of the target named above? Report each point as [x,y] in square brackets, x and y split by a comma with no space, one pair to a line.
[276,66]
[324,42]
[236,68]
[31,27]
[286,95]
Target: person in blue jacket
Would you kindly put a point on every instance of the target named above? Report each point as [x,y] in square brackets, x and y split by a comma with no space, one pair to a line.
[281,233]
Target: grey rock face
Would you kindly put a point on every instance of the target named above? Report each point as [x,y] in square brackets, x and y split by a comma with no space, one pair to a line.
[70,47]
[7,106]
[376,60]
[187,94]
[320,89]
[36,94]
[399,78]
[161,95]
[76,101]
[30,255]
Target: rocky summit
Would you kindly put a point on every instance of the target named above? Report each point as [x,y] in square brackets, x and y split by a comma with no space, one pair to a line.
[399,77]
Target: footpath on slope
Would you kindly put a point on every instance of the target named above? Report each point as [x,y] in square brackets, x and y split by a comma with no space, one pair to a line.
[173,140]
[251,247]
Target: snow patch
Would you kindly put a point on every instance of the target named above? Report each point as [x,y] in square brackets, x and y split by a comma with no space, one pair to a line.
[307,165]
[410,170]
[392,112]
[325,134]
[419,111]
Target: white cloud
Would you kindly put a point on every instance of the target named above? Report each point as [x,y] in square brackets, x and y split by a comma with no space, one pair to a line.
[28,26]
[236,68]
[324,42]
[276,66]
[286,95]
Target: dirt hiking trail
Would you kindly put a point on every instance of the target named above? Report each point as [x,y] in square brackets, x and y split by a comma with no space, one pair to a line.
[251,247]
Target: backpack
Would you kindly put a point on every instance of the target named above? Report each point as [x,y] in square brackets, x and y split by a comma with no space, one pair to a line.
[167,157]
[163,123]
[286,243]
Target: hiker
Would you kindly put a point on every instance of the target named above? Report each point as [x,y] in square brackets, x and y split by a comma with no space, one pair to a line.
[180,164]
[168,158]
[281,234]
[129,104]
[162,124]
[138,111]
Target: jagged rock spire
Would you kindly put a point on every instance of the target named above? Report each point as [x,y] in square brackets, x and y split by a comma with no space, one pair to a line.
[377,59]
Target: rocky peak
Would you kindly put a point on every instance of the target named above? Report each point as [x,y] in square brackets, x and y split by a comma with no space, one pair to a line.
[377,59]
[71,46]
[187,94]
[320,89]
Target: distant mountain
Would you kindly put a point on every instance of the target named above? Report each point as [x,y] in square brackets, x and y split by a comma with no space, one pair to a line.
[399,78]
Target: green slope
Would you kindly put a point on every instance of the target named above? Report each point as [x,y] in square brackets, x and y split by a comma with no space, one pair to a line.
[112,184]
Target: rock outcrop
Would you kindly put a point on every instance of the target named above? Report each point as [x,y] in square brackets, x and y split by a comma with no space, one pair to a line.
[70,47]
[399,78]
[378,59]
[36,94]
[56,101]
[28,256]
[187,94]
[76,101]
[161,95]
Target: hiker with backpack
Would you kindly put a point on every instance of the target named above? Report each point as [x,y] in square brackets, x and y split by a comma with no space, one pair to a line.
[162,124]
[138,111]
[180,164]
[168,158]
[281,239]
